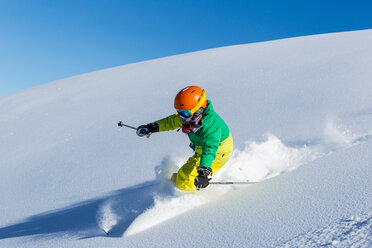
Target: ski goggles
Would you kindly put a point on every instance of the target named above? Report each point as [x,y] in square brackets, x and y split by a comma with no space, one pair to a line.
[185,113]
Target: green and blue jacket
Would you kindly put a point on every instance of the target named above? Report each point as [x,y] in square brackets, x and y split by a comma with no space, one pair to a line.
[207,138]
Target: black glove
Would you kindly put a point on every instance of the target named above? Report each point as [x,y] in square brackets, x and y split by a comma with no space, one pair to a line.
[202,180]
[147,129]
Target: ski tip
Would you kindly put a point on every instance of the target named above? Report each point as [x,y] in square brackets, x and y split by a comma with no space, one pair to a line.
[106,232]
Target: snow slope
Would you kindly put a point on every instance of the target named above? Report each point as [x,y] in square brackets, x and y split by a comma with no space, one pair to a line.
[300,113]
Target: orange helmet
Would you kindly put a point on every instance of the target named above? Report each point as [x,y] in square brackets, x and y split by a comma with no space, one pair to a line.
[190,98]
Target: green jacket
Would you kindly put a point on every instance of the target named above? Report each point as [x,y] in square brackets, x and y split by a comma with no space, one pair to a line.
[208,137]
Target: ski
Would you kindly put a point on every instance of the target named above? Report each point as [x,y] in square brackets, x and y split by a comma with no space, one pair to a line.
[233,182]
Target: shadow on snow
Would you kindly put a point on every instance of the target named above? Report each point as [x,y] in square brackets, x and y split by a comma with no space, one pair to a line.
[82,219]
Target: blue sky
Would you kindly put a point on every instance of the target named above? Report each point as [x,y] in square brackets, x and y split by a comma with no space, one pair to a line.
[42,41]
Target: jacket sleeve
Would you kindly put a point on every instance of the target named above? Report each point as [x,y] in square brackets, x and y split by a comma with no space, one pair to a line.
[210,146]
[169,123]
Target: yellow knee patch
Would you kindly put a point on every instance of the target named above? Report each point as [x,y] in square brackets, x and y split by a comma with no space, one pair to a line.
[187,174]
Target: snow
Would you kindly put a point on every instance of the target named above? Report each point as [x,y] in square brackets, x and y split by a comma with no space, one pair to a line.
[348,232]
[300,113]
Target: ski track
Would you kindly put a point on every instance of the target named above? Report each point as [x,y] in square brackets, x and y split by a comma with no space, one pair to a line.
[355,231]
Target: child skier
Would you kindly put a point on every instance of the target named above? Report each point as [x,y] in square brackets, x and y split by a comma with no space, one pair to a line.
[209,135]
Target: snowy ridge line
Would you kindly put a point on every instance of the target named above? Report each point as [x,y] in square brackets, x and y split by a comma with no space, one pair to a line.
[355,231]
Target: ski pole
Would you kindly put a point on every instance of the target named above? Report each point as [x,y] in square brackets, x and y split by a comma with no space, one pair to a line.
[233,182]
[121,124]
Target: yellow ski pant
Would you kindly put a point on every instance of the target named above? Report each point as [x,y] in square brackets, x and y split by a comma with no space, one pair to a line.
[186,175]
